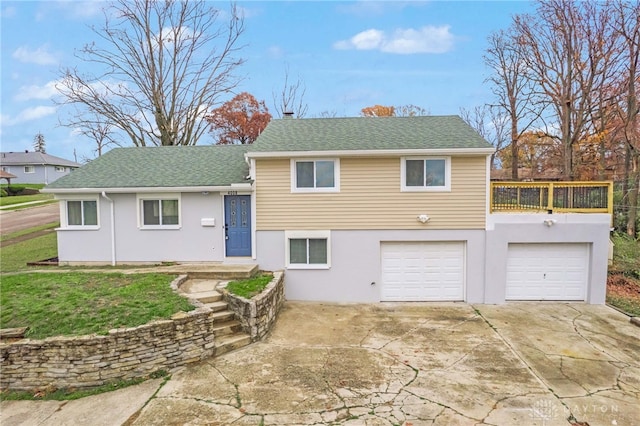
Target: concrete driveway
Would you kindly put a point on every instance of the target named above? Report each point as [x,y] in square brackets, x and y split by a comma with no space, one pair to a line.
[406,364]
[419,364]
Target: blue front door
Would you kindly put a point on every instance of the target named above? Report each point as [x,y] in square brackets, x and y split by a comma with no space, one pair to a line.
[237,224]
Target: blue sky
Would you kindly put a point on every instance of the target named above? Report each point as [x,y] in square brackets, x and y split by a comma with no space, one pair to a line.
[348,54]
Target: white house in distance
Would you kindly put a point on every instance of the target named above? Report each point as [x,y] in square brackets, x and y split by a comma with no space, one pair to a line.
[363,209]
[35,167]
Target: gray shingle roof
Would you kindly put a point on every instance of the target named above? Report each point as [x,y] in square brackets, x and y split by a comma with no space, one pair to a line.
[166,166]
[35,158]
[372,133]
[190,166]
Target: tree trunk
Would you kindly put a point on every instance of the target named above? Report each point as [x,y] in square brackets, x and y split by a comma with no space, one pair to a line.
[514,149]
[632,197]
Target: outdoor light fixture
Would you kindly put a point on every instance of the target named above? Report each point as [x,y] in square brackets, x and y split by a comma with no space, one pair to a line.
[423,218]
[549,222]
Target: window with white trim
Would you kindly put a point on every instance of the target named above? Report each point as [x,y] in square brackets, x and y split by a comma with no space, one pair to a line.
[6,169]
[426,174]
[60,169]
[81,213]
[308,249]
[159,212]
[317,175]
[29,169]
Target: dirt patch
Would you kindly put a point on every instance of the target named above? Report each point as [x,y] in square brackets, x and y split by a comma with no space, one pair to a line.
[623,286]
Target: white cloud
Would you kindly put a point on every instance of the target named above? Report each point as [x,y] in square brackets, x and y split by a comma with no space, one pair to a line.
[40,56]
[428,39]
[8,12]
[29,114]
[47,91]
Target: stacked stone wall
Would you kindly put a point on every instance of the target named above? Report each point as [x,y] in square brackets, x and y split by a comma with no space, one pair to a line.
[258,314]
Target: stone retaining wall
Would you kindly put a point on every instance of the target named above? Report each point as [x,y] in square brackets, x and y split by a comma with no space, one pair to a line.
[258,314]
[89,361]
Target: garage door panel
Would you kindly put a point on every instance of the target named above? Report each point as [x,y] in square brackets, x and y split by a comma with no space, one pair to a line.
[422,271]
[547,271]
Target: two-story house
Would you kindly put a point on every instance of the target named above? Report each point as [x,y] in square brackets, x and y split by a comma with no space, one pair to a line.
[353,209]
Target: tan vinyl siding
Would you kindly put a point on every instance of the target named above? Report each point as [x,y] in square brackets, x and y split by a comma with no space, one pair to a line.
[370,198]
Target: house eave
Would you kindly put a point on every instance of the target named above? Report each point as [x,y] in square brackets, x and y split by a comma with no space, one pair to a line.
[371,153]
[151,189]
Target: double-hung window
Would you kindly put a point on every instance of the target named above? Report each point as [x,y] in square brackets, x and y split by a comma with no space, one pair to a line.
[426,174]
[317,175]
[308,249]
[159,212]
[81,213]
[29,169]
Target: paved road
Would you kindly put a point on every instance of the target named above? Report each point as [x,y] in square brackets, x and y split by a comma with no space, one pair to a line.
[17,220]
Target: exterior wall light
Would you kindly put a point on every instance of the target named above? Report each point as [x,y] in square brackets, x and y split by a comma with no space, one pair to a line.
[549,222]
[423,218]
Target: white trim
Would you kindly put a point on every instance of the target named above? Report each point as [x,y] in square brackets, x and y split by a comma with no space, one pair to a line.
[336,175]
[32,168]
[371,153]
[6,169]
[487,202]
[151,189]
[64,216]
[447,175]
[153,197]
[288,235]
[64,169]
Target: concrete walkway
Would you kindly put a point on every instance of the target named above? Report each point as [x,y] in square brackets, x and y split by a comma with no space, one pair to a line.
[403,364]
[27,204]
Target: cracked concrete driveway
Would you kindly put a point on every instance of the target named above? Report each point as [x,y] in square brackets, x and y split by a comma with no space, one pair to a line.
[418,364]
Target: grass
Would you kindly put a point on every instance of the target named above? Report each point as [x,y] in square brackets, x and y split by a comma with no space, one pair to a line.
[29,231]
[7,201]
[15,256]
[76,303]
[71,394]
[623,283]
[251,287]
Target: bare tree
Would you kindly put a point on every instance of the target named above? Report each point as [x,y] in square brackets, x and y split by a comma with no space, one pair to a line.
[627,27]
[291,98]
[566,47]
[512,88]
[410,111]
[99,131]
[163,66]
[490,124]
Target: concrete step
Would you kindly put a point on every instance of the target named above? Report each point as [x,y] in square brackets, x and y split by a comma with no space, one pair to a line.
[226,328]
[206,296]
[229,343]
[217,306]
[222,316]
[224,272]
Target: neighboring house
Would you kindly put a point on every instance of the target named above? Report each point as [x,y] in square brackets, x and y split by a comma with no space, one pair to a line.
[353,209]
[35,167]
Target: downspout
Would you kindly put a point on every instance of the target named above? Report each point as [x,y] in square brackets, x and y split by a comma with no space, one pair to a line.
[113,228]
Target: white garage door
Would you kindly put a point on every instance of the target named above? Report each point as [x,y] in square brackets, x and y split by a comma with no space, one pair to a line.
[547,271]
[422,271]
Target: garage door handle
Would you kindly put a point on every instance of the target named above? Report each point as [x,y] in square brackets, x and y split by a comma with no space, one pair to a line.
[544,276]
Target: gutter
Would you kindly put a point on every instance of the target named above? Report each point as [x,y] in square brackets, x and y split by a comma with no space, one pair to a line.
[113,228]
[372,153]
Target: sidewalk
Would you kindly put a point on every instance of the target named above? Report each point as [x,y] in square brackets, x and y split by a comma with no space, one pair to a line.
[29,203]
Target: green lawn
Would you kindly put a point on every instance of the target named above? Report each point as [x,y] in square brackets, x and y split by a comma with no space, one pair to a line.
[251,287]
[14,257]
[77,303]
[7,201]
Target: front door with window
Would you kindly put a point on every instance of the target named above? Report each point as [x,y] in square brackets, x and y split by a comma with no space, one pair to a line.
[237,219]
